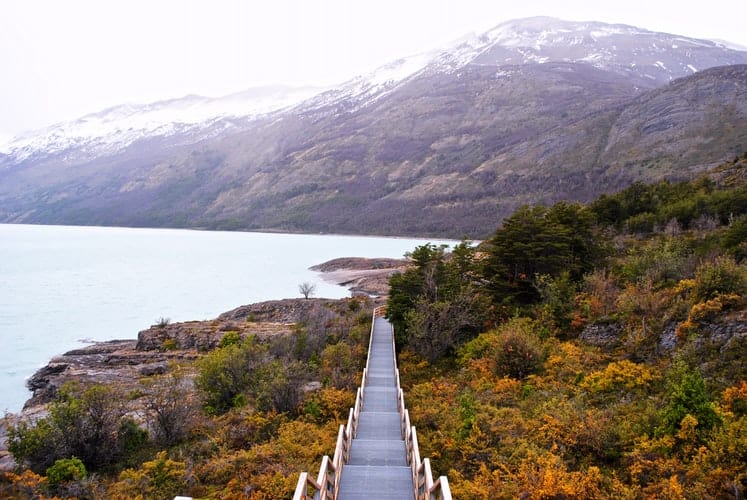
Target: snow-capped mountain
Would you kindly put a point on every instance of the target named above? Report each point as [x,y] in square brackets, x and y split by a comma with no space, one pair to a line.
[533,110]
[649,59]
[193,117]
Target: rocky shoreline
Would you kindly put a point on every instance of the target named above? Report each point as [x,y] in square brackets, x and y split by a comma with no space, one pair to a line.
[361,276]
[125,363]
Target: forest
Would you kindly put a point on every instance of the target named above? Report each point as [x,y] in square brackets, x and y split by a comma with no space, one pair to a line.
[582,351]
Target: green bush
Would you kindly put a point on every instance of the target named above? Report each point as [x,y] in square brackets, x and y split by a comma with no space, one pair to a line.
[641,223]
[131,437]
[83,424]
[734,239]
[169,344]
[66,469]
[225,374]
[34,446]
[687,395]
[230,338]
[721,276]
[663,261]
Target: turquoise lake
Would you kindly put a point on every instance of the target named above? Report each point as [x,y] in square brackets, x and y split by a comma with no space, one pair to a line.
[63,287]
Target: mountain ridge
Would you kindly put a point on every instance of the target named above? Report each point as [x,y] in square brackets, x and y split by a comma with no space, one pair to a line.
[435,144]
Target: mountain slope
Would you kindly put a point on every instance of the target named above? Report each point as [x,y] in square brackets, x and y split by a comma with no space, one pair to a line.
[444,143]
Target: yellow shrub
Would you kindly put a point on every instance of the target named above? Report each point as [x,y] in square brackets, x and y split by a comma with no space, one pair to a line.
[620,375]
[685,286]
[702,310]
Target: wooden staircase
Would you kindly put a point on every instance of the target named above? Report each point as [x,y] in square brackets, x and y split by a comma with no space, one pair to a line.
[377,452]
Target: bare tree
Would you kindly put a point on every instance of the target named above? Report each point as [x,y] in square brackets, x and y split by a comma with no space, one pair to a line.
[306,289]
[170,406]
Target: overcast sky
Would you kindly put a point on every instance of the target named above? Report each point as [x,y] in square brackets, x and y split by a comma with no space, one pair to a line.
[63,59]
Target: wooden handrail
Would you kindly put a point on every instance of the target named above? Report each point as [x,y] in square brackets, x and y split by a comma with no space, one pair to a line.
[379,311]
[425,488]
[304,481]
[327,483]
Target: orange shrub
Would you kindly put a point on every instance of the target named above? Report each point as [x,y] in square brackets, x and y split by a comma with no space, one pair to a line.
[735,399]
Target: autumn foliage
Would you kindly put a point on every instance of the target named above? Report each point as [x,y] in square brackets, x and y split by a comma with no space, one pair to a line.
[580,352]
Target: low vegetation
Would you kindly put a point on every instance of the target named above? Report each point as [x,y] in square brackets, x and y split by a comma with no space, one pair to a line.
[582,351]
[608,360]
[239,423]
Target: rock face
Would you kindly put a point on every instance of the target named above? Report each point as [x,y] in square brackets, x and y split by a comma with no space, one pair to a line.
[606,336]
[724,344]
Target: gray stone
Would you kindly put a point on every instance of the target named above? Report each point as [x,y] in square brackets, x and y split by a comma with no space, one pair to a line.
[604,335]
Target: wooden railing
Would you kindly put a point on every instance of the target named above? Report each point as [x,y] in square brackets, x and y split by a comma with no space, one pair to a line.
[327,482]
[424,487]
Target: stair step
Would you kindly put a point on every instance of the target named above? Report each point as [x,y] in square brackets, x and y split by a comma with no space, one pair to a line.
[379,425]
[369,481]
[378,452]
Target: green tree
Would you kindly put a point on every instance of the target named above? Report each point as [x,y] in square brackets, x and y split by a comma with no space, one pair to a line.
[437,328]
[437,303]
[539,241]
[422,279]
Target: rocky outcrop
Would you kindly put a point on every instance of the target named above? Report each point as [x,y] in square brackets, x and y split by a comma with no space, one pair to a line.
[117,362]
[604,335]
[124,363]
[721,347]
[202,336]
[359,264]
[286,311]
[668,337]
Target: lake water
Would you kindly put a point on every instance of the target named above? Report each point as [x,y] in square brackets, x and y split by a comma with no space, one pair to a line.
[62,287]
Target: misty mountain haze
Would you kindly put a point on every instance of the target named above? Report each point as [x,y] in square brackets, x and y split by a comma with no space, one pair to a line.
[443,143]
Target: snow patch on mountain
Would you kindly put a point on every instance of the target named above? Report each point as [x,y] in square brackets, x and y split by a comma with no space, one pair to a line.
[116,128]
[367,89]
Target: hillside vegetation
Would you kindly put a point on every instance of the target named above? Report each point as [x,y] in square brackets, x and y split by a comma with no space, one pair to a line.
[240,422]
[587,351]
[582,351]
